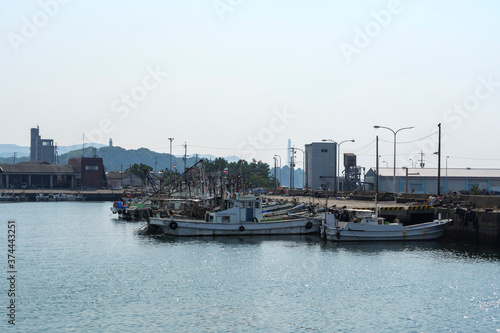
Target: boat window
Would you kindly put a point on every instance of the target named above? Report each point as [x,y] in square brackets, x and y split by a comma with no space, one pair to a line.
[230,204]
[225,219]
[250,205]
[257,204]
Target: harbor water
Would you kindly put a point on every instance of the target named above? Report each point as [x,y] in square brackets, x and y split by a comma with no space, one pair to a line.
[79,269]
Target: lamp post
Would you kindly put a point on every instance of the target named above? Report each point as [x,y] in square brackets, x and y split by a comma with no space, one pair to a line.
[336,175]
[394,132]
[446,181]
[274,158]
[280,166]
[338,161]
[303,166]
[387,163]
[170,166]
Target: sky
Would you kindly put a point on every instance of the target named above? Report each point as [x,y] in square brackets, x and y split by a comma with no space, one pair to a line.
[241,77]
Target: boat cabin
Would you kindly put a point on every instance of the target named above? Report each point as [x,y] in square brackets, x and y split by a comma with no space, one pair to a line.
[365,216]
[237,209]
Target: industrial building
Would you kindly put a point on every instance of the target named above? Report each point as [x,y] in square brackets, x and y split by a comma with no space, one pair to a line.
[92,171]
[41,149]
[38,174]
[122,179]
[425,180]
[321,161]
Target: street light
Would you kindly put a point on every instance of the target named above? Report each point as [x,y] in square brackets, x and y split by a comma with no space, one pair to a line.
[394,132]
[280,166]
[386,163]
[334,174]
[170,166]
[338,159]
[303,166]
[446,182]
[274,158]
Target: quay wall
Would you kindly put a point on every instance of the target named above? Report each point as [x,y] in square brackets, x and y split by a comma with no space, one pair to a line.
[90,195]
[483,230]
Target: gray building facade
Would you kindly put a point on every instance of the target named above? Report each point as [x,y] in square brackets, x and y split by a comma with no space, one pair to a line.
[41,149]
[321,165]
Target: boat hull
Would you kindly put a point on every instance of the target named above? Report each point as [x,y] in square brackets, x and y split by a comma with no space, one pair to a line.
[359,232]
[192,228]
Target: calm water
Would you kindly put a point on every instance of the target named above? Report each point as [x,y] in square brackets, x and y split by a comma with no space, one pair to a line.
[80,270]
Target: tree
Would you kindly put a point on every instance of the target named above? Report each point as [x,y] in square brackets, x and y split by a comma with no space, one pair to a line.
[140,170]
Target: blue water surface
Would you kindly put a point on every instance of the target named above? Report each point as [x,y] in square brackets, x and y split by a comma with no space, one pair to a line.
[81,270]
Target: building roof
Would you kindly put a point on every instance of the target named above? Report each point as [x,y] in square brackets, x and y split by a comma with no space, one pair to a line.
[118,175]
[31,168]
[33,162]
[433,172]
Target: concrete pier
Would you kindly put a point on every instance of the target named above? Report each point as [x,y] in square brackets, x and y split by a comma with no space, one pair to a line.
[90,195]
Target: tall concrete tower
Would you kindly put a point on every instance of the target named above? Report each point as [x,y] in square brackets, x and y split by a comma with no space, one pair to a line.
[41,149]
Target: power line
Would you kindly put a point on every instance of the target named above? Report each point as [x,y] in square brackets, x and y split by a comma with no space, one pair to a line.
[405,142]
[475,158]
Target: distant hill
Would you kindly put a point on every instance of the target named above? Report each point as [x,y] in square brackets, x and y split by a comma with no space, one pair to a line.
[8,150]
[117,158]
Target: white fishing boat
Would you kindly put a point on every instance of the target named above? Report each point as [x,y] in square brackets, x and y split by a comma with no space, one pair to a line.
[4,197]
[44,197]
[239,216]
[367,226]
[61,196]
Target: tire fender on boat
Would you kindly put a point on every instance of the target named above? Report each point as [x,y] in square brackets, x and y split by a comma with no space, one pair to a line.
[242,228]
[255,219]
[338,234]
[173,225]
[309,225]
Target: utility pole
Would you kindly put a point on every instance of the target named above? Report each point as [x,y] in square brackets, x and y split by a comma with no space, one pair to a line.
[274,174]
[185,155]
[376,176]
[422,164]
[439,162]
[170,166]
[292,167]
[15,154]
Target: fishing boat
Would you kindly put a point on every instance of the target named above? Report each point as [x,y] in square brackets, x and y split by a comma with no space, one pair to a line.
[44,197]
[4,197]
[239,215]
[366,225]
[61,196]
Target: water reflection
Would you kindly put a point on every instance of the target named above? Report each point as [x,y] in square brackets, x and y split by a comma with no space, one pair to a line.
[437,247]
[240,240]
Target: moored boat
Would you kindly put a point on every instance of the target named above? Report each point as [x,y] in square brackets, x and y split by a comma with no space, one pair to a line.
[4,197]
[238,216]
[367,226]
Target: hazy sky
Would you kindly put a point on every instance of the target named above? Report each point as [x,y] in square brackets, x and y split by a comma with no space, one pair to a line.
[241,77]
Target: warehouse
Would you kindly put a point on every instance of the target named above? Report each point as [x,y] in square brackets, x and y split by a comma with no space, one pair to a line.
[425,180]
